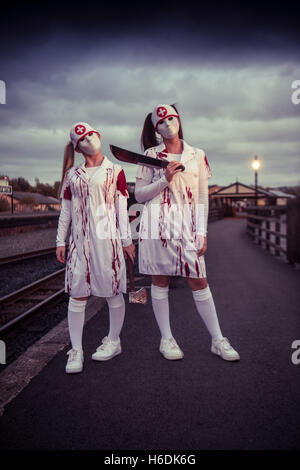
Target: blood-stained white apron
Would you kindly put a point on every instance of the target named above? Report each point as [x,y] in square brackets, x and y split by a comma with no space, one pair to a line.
[167,235]
[95,263]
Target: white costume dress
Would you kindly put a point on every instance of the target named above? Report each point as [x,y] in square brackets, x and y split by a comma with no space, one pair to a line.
[174,215]
[96,206]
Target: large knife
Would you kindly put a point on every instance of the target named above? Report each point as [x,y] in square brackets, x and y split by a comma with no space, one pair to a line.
[132,157]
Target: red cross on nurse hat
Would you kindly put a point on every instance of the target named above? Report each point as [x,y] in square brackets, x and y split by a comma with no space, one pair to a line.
[161,112]
[79,131]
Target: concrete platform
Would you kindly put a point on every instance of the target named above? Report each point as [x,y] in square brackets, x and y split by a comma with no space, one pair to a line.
[139,400]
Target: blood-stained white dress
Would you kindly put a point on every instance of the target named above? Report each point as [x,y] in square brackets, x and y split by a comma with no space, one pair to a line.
[174,215]
[96,207]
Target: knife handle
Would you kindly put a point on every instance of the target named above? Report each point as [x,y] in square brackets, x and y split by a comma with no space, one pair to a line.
[164,164]
[130,267]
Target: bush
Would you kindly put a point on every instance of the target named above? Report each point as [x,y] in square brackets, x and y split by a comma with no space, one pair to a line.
[4,205]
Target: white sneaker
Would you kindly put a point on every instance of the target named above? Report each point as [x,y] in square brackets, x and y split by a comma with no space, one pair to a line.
[223,348]
[107,350]
[75,361]
[170,349]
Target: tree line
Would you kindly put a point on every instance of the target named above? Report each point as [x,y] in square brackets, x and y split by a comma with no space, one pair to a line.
[21,184]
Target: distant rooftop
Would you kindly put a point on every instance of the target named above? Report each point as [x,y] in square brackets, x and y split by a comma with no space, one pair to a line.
[40,198]
[279,193]
[273,192]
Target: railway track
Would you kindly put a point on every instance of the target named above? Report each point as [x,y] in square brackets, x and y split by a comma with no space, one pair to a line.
[23,302]
[27,255]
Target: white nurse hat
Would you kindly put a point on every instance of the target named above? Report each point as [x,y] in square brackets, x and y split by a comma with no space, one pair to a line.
[161,112]
[79,131]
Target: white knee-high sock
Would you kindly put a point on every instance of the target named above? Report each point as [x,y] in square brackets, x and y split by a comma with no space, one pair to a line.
[160,304]
[206,308]
[116,306]
[76,315]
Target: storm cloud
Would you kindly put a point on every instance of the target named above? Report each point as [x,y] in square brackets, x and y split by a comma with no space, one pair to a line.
[229,72]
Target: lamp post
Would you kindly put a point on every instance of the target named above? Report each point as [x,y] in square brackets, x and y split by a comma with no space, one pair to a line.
[255,166]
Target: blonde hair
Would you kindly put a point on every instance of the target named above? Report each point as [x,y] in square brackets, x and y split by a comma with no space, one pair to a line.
[67,164]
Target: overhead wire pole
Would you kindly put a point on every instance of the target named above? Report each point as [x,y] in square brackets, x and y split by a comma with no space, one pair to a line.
[255,166]
[255,182]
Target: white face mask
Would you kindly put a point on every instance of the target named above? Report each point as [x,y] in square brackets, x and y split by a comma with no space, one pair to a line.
[169,127]
[90,144]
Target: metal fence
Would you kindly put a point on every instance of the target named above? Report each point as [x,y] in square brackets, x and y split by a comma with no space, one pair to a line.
[276,228]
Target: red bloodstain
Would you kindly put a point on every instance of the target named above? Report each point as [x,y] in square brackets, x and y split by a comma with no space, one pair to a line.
[162,155]
[82,191]
[69,274]
[187,269]
[109,179]
[164,242]
[206,162]
[179,259]
[67,193]
[166,197]
[197,268]
[115,264]
[87,266]
[121,183]
[71,250]
[189,193]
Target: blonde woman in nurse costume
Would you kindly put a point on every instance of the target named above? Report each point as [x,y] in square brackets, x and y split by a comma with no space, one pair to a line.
[94,200]
[179,252]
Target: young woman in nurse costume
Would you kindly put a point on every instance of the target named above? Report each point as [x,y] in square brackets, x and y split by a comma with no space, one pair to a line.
[94,200]
[178,247]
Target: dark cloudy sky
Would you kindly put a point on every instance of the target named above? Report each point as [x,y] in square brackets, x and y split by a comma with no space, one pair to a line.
[228,68]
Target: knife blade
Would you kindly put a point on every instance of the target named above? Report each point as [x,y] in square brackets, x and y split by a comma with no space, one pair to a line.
[132,157]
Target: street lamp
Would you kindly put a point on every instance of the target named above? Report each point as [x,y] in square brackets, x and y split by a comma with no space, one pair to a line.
[255,166]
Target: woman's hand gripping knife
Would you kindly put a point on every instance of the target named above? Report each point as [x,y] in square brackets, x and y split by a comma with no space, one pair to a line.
[145,189]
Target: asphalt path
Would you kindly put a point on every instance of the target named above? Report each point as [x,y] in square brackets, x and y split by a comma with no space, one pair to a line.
[139,400]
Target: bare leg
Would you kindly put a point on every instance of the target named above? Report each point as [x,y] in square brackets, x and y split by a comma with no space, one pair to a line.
[197,284]
[160,281]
